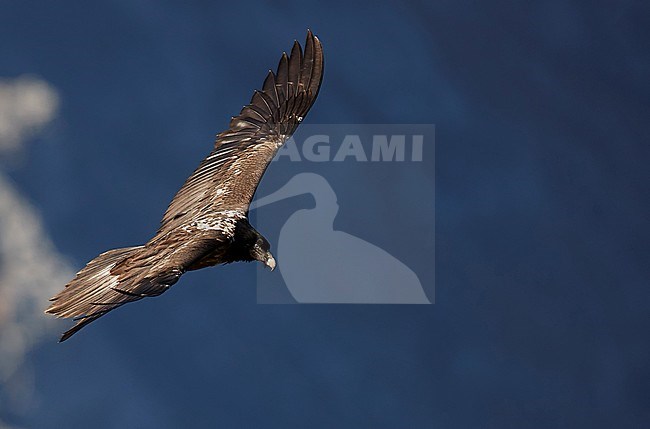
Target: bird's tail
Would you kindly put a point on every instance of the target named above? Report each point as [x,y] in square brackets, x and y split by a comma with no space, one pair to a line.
[94,291]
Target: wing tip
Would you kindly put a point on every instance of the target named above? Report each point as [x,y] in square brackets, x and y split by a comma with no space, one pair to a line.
[289,91]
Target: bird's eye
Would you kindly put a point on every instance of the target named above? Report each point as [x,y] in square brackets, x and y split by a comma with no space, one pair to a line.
[262,244]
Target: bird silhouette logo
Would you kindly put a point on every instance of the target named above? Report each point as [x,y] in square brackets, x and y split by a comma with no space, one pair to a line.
[321,265]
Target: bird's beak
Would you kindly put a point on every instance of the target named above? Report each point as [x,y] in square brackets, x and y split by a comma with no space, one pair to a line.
[270,262]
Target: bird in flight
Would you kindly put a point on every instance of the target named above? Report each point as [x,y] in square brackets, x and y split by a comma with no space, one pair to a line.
[206,223]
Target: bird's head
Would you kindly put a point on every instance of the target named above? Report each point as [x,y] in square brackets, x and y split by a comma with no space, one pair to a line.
[261,252]
[250,245]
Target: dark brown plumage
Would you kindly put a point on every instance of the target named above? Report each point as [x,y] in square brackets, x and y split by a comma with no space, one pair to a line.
[206,223]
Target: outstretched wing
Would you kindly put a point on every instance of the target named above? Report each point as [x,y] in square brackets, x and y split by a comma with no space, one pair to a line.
[227,179]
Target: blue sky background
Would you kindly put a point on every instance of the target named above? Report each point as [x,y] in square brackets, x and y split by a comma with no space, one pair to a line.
[541,181]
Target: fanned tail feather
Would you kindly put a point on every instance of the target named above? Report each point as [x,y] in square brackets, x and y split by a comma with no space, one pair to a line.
[94,291]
